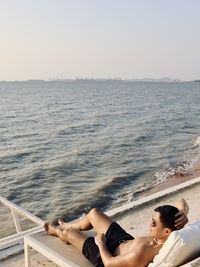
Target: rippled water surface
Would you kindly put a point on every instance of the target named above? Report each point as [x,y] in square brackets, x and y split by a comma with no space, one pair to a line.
[68,146]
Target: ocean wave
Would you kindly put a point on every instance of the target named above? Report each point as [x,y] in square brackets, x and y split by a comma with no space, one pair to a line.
[196,141]
[181,169]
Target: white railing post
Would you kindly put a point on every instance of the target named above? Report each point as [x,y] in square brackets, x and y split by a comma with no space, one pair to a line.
[16,221]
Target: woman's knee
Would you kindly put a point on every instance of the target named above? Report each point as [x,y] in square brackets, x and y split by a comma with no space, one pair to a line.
[94,212]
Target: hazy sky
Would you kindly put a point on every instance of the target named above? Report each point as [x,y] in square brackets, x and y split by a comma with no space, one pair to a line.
[46,39]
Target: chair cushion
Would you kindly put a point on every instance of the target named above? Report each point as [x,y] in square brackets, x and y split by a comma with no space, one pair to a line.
[180,247]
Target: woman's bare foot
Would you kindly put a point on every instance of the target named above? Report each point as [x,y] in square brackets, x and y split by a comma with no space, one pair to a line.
[64,225]
[51,230]
[55,231]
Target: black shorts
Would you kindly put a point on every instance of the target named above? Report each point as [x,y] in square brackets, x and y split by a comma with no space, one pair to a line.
[115,235]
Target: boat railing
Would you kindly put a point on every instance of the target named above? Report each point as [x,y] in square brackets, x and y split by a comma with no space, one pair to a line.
[18,237]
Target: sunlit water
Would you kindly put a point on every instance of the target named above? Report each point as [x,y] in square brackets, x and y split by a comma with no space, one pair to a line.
[68,146]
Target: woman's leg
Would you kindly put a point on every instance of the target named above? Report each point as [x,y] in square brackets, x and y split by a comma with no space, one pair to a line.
[69,236]
[94,219]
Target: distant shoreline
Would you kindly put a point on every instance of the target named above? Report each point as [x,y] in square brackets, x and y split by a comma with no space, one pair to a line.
[148,80]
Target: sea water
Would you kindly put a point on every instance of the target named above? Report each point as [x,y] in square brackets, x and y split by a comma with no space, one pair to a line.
[67,146]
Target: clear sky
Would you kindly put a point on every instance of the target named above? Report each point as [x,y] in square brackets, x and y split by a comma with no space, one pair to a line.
[47,39]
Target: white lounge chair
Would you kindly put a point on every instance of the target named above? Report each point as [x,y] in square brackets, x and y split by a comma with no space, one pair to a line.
[64,255]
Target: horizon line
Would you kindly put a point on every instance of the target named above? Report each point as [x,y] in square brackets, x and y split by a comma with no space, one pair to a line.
[164,79]
[146,79]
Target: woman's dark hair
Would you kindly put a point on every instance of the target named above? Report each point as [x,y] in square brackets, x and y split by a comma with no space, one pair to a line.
[167,216]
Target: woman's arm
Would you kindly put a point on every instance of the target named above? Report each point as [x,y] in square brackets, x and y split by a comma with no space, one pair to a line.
[182,218]
[128,259]
[100,241]
[182,205]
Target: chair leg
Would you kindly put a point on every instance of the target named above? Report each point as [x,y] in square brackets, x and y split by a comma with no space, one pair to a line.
[27,256]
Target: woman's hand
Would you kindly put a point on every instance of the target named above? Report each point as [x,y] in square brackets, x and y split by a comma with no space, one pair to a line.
[100,240]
